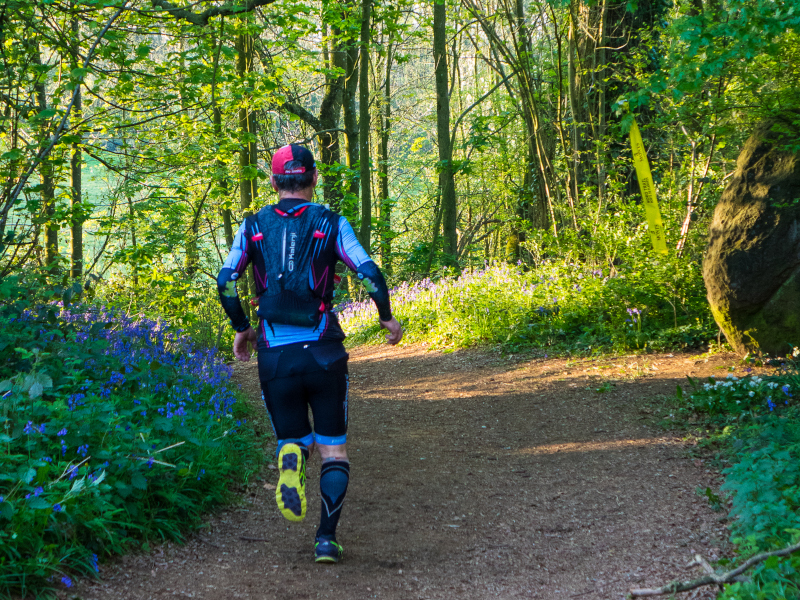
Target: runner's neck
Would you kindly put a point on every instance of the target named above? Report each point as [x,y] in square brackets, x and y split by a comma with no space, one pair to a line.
[285,204]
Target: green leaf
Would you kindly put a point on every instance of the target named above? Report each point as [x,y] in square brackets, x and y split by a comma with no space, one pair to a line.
[28,476]
[6,510]
[123,489]
[139,481]
[47,113]
[11,155]
[38,503]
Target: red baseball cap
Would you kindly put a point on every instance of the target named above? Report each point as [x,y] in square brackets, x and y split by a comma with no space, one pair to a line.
[301,157]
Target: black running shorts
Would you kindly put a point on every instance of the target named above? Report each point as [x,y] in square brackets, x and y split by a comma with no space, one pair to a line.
[296,377]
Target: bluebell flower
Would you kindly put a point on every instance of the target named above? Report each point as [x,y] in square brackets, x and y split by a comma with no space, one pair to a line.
[57,507]
[66,581]
[62,433]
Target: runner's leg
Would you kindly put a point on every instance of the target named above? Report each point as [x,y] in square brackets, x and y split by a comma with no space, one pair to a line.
[327,393]
[288,412]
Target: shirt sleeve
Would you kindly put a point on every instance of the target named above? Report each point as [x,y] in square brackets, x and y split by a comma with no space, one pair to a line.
[233,267]
[352,253]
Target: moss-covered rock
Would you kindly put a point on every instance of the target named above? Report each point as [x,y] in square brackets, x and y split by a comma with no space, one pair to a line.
[752,263]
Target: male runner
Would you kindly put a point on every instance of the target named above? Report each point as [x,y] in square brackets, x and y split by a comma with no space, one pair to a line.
[294,246]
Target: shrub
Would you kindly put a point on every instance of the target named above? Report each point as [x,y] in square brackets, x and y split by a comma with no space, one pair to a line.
[564,307]
[734,396]
[763,486]
[116,430]
[763,482]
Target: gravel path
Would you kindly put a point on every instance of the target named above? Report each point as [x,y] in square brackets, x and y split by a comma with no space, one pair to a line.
[473,477]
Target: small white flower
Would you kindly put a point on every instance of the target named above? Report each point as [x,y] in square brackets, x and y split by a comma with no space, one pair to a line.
[706,386]
[738,402]
[751,394]
[730,376]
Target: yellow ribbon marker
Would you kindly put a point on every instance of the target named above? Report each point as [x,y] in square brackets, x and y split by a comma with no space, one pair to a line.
[655,226]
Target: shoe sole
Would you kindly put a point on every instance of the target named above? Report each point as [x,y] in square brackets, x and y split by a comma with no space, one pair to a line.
[326,559]
[290,493]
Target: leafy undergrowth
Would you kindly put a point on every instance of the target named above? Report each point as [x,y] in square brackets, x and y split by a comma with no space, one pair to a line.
[116,431]
[756,420]
[559,307]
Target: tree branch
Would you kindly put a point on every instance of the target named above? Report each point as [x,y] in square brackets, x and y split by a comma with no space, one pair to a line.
[201,19]
[304,115]
[474,104]
[712,579]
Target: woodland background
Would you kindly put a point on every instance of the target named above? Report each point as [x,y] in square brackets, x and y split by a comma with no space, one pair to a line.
[135,136]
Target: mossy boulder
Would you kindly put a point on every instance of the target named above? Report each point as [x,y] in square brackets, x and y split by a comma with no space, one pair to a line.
[752,263]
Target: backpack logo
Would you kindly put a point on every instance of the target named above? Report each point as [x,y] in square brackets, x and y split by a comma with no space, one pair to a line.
[292,246]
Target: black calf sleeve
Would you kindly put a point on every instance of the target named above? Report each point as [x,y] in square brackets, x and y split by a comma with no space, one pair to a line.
[333,480]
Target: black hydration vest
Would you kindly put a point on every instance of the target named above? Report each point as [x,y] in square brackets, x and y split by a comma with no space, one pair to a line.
[299,248]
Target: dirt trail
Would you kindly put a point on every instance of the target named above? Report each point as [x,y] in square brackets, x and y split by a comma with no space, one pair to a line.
[472,477]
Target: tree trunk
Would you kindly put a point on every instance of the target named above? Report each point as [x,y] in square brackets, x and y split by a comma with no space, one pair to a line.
[446,178]
[383,168]
[330,148]
[222,177]
[76,185]
[351,119]
[46,173]
[76,181]
[601,107]
[248,165]
[363,127]
[221,171]
[573,89]
[132,216]
[192,258]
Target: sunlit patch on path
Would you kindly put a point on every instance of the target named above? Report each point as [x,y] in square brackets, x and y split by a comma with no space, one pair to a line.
[599,446]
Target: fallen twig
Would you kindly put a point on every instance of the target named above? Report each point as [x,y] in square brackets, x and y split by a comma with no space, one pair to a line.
[170,447]
[712,578]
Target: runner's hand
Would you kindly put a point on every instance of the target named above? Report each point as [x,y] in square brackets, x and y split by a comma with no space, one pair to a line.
[395,331]
[244,344]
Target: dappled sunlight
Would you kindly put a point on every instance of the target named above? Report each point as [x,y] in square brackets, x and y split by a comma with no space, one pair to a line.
[598,446]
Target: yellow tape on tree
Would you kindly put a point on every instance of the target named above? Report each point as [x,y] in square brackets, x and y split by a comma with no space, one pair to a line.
[648,190]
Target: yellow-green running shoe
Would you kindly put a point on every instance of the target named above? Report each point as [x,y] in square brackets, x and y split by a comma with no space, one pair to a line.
[327,550]
[291,490]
